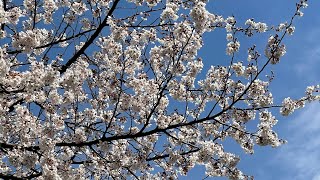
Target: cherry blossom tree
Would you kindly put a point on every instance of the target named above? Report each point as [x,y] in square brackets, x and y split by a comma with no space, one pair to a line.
[100,89]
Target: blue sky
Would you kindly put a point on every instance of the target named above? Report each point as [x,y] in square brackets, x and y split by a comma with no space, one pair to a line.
[300,158]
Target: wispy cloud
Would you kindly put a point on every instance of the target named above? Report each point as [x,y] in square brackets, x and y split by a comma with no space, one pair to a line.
[300,158]
[309,61]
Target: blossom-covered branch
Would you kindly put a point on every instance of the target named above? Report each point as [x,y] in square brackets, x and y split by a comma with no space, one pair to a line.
[114,89]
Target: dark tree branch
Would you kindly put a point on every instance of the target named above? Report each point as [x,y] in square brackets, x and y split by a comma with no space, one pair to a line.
[91,39]
[167,155]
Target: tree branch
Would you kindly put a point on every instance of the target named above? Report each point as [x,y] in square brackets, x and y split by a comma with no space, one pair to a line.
[90,41]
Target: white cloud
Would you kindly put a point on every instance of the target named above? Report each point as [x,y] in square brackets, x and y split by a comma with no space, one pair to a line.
[300,158]
[316,177]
